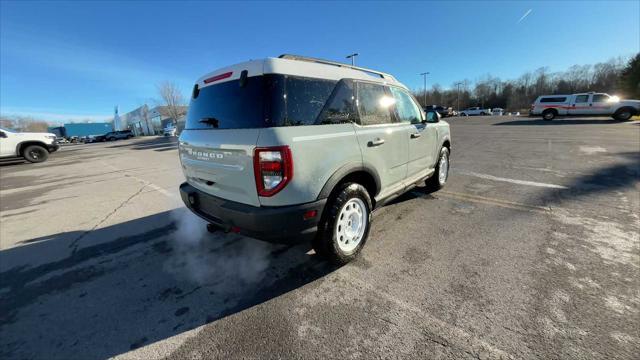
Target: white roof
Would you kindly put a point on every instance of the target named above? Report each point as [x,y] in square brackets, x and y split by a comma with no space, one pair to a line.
[313,68]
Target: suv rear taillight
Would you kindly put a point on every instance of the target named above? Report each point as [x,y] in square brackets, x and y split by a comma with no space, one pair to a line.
[273,169]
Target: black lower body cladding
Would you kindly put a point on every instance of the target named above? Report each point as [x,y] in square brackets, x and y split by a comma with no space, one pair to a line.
[281,224]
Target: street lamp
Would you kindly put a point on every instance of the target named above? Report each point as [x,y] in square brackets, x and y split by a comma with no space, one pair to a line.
[458,101]
[424,74]
[353,58]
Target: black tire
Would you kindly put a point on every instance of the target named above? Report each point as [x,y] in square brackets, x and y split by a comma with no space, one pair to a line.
[549,114]
[483,113]
[433,183]
[112,139]
[623,114]
[326,242]
[35,153]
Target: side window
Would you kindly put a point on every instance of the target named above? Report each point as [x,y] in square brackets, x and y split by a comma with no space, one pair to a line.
[407,109]
[553,99]
[341,106]
[374,104]
[305,98]
[582,98]
[600,98]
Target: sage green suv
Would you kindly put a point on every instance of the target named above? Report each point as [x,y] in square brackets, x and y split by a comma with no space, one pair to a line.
[293,148]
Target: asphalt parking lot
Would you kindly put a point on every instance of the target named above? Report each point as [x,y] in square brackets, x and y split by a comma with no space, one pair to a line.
[531,251]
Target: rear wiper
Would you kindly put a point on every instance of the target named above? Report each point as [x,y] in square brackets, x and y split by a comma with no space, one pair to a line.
[211,121]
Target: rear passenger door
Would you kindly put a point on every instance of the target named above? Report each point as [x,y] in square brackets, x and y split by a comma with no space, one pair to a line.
[422,136]
[580,105]
[384,142]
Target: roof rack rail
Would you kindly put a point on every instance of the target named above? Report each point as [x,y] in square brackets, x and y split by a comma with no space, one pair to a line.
[334,63]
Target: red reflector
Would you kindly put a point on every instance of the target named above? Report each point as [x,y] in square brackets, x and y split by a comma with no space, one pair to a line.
[218,77]
[235,229]
[270,165]
[310,214]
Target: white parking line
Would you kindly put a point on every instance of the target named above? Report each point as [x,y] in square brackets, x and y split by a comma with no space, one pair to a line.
[513,181]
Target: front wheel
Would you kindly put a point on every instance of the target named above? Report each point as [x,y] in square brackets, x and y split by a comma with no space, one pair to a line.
[623,115]
[344,228]
[441,174]
[35,153]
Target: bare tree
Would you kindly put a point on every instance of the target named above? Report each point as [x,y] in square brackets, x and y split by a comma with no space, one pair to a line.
[172,99]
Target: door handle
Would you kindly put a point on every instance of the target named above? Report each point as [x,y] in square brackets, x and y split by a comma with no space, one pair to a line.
[376,142]
[415,135]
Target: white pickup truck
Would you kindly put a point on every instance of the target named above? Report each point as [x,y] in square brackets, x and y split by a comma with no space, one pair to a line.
[475,111]
[586,104]
[33,147]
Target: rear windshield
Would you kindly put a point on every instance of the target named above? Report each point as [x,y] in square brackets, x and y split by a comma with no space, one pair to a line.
[263,101]
[553,99]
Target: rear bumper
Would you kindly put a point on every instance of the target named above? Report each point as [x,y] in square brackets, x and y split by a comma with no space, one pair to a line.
[53,147]
[282,224]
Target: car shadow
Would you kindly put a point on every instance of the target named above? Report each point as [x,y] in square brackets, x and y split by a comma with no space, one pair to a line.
[155,143]
[97,294]
[616,175]
[13,162]
[559,122]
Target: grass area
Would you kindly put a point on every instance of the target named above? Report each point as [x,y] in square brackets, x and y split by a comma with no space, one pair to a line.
[636,118]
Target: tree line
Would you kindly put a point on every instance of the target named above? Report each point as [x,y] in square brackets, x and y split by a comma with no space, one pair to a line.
[616,77]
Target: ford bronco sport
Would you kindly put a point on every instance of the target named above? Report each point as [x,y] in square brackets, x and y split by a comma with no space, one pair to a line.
[302,148]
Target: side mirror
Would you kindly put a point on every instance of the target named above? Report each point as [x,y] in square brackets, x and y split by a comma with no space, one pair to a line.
[432,116]
[2,134]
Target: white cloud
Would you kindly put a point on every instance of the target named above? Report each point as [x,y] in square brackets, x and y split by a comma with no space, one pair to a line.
[52,116]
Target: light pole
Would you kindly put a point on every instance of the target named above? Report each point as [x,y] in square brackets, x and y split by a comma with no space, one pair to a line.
[458,101]
[353,58]
[424,74]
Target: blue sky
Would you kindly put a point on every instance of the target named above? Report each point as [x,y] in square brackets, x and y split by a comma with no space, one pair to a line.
[76,60]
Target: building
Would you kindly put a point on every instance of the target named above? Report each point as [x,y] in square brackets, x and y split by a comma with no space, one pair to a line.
[151,121]
[161,119]
[138,121]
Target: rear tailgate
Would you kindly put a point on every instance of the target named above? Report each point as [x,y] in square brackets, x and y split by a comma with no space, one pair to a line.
[213,165]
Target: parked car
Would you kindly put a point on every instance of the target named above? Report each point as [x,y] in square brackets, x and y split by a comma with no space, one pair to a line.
[497,111]
[475,111]
[169,131]
[585,104]
[321,162]
[115,135]
[91,139]
[33,147]
[443,111]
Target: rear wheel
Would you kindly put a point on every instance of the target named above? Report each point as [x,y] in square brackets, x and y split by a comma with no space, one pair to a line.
[344,228]
[549,114]
[35,153]
[441,174]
